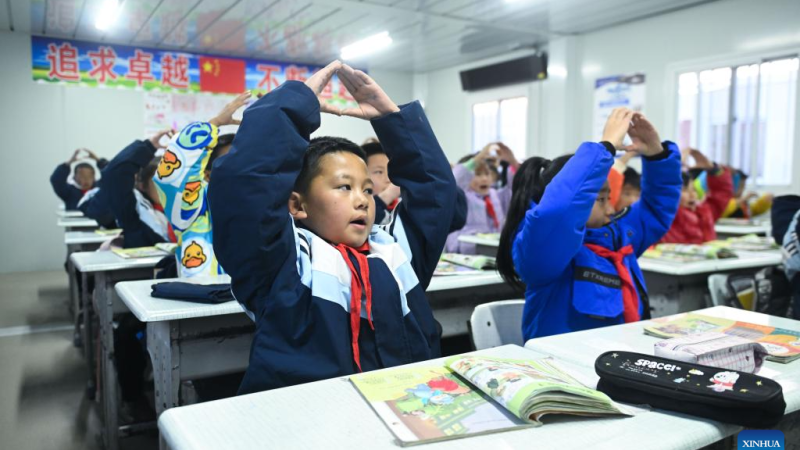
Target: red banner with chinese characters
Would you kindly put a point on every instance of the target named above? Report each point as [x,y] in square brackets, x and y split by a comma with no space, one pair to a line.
[95,64]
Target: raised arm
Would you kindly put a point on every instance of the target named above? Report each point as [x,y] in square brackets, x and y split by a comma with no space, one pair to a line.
[119,181]
[58,180]
[251,186]
[417,164]
[552,232]
[661,183]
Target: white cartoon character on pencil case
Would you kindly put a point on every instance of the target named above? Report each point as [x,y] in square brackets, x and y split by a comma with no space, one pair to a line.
[724,381]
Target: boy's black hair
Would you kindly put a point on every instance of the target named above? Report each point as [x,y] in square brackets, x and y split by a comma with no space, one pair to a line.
[632,178]
[82,165]
[741,173]
[466,158]
[222,141]
[695,172]
[686,178]
[317,148]
[529,184]
[148,171]
[372,149]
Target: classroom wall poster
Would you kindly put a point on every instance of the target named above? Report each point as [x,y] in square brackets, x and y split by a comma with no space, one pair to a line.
[103,65]
[164,110]
[613,92]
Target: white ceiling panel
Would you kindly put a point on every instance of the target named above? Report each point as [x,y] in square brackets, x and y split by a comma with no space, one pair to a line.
[5,19]
[169,17]
[427,34]
[20,15]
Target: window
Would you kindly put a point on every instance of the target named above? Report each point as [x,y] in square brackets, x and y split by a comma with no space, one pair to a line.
[501,120]
[742,116]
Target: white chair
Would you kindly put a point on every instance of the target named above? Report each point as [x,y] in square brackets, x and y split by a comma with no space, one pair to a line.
[497,323]
[718,287]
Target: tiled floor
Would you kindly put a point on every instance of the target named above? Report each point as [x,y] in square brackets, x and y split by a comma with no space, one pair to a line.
[42,376]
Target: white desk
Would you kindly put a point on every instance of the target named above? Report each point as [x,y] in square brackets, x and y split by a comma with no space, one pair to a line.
[746,260]
[72,223]
[483,246]
[189,340]
[79,241]
[727,230]
[582,348]
[674,287]
[331,414]
[86,238]
[679,287]
[107,269]
[62,213]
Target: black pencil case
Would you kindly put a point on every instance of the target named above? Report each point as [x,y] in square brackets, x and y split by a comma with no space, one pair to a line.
[710,392]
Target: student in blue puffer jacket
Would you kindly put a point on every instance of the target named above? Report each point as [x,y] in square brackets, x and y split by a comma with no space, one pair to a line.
[563,240]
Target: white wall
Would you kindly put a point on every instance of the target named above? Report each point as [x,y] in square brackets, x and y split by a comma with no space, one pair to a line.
[42,124]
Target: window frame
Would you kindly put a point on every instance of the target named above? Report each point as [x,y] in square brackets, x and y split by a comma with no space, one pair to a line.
[500,94]
[735,60]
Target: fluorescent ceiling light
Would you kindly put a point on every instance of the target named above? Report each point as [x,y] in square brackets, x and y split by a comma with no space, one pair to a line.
[367,46]
[107,15]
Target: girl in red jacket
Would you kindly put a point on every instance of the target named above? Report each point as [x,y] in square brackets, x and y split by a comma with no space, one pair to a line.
[694,222]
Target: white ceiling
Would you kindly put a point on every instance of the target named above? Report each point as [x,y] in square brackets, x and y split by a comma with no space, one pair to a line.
[428,34]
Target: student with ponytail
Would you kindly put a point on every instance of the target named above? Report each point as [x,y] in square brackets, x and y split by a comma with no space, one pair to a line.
[564,243]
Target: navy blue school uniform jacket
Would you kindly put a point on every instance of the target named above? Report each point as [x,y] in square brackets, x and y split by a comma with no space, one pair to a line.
[296,286]
[69,193]
[569,286]
[142,224]
[94,206]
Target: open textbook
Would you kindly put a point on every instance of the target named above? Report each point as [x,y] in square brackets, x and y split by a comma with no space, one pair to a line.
[458,264]
[682,253]
[475,395]
[139,252]
[750,242]
[782,345]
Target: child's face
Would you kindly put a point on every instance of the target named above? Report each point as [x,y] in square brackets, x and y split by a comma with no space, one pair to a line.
[689,197]
[602,209]
[628,196]
[84,177]
[378,170]
[338,206]
[482,181]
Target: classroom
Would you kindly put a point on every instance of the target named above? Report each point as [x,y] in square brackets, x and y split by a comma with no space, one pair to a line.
[471,224]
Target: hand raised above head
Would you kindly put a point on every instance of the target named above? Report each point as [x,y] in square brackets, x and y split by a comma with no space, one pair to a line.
[644,137]
[225,117]
[617,126]
[319,80]
[156,138]
[372,100]
[701,161]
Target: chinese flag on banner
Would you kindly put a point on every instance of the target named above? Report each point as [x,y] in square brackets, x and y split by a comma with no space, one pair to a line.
[222,75]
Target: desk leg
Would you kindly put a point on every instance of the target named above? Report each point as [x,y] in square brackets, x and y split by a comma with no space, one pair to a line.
[163,348]
[675,294]
[74,297]
[104,297]
[166,367]
[88,334]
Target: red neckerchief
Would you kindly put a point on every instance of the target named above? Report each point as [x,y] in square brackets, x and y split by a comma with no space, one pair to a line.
[170,231]
[357,286]
[393,205]
[630,300]
[490,210]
